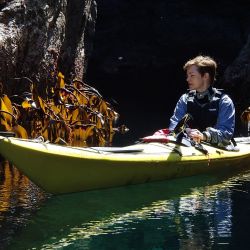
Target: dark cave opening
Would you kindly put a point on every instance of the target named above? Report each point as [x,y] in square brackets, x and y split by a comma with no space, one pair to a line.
[139,51]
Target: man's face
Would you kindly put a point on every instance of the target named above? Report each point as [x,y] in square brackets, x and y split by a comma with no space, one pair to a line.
[195,80]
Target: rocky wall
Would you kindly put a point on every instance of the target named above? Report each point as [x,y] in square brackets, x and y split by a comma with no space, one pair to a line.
[38,36]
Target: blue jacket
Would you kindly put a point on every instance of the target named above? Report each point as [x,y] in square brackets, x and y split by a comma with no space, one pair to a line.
[223,130]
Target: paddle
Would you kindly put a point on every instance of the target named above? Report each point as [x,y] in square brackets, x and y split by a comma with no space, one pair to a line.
[179,133]
[165,135]
[182,124]
[7,134]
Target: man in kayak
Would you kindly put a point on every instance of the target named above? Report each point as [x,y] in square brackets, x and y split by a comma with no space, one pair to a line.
[212,110]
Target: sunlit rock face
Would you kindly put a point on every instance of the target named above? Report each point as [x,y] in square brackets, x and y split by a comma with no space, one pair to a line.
[143,46]
[37,36]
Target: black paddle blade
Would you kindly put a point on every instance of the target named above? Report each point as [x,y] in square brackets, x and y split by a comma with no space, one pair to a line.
[182,124]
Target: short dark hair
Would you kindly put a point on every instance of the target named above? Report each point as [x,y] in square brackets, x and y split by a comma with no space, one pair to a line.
[205,64]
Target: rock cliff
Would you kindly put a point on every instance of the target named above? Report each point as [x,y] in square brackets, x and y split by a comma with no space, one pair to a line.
[36,36]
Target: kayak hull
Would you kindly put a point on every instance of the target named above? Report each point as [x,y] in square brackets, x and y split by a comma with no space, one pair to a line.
[60,169]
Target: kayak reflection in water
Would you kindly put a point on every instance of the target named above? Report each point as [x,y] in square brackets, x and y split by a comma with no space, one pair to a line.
[212,110]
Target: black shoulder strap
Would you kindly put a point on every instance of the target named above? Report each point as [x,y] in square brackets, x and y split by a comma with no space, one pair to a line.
[190,95]
[218,92]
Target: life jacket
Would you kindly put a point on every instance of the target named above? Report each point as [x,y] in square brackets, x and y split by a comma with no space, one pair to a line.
[204,111]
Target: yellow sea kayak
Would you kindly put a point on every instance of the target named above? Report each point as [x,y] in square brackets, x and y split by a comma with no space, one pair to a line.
[63,169]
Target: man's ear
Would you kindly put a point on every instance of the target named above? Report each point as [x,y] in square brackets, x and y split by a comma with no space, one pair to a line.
[206,76]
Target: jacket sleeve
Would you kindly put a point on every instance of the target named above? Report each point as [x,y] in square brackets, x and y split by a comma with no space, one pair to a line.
[179,112]
[223,131]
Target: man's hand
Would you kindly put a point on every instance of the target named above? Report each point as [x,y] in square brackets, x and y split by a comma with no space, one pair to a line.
[195,134]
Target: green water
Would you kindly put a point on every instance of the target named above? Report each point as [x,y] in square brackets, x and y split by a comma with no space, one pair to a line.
[202,212]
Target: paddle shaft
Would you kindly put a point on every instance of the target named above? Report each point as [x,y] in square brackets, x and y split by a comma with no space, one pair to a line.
[7,134]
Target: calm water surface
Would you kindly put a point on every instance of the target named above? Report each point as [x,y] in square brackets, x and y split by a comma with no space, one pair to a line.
[202,212]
